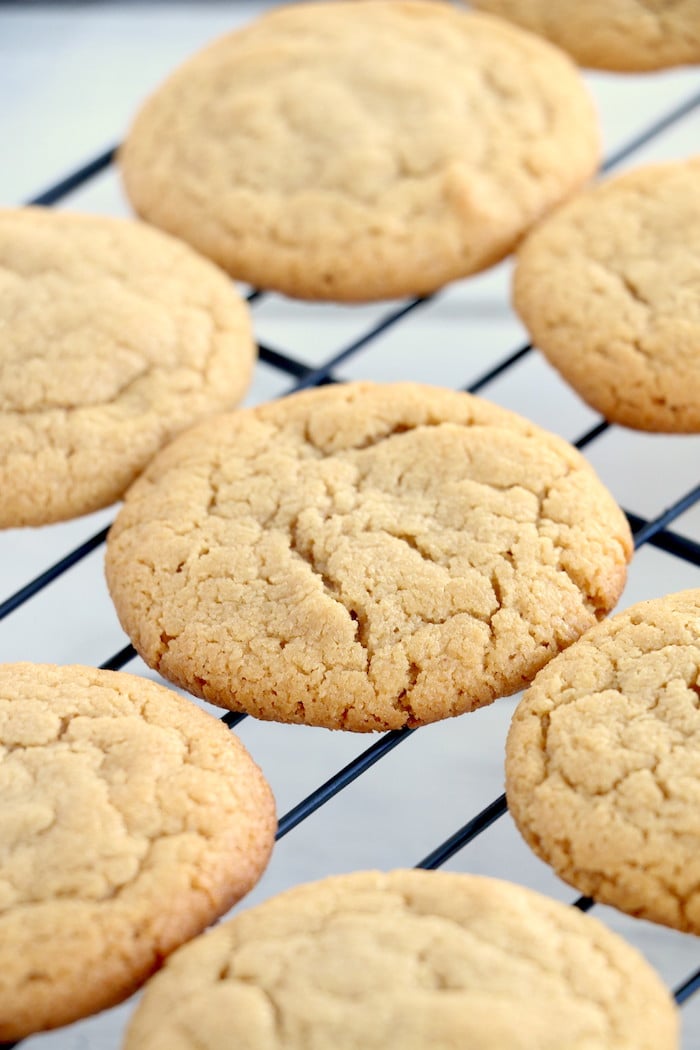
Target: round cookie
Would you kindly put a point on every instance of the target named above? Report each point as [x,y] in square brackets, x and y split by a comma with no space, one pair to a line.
[129,820]
[609,287]
[603,762]
[361,151]
[410,960]
[114,338]
[622,35]
[364,556]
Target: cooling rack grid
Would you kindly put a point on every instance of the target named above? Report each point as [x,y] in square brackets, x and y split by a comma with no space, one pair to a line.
[321,836]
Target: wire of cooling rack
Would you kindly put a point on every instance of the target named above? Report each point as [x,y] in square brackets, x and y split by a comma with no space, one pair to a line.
[655,532]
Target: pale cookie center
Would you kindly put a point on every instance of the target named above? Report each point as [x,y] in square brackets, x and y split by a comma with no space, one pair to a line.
[69,345]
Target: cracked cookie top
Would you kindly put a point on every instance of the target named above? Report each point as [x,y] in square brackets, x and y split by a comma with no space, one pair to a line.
[408,960]
[114,338]
[603,762]
[364,556]
[624,35]
[129,820]
[609,287]
[362,151]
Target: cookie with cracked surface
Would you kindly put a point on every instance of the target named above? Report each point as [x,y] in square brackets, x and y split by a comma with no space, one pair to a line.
[603,762]
[364,556]
[619,35]
[410,960]
[129,821]
[609,287]
[114,338]
[351,151]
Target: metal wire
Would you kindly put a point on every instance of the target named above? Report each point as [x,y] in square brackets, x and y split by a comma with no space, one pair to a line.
[45,578]
[119,660]
[654,532]
[319,375]
[341,780]
[469,831]
[689,987]
[75,180]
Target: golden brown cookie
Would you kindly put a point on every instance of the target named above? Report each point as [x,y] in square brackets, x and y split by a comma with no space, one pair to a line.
[114,338]
[623,35]
[129,820]
[410,960]
[609,287]
[363,556]
[603,766]
[361,151]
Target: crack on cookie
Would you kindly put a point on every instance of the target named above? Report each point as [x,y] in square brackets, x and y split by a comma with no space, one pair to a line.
[120,394]
[64,725]
[372,440]
[362,632]
[402,702]
[331,587]
[306,553]
[166,639]
[589,600]
[411,541]
[632,290]
[498,594]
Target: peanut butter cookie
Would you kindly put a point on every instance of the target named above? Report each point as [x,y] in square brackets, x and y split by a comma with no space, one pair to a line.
[114,338]
[361,151]
[364,556]
[129,820]
[411,960]
[603,765]
[609,287]
[622,35]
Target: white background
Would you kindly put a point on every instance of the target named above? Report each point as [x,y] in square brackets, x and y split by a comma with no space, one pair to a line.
[71,76]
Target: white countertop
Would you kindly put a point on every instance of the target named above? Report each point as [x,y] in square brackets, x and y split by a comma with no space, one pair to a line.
[71,76]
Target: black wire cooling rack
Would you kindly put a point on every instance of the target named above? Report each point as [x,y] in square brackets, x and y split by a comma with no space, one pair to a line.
[655,532]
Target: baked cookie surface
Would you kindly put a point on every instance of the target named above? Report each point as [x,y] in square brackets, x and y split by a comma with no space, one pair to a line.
[603,762]
[114,338]
[409,960]
[364,556]
[623,35]
[129,820]
[361,151]
[609,287]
